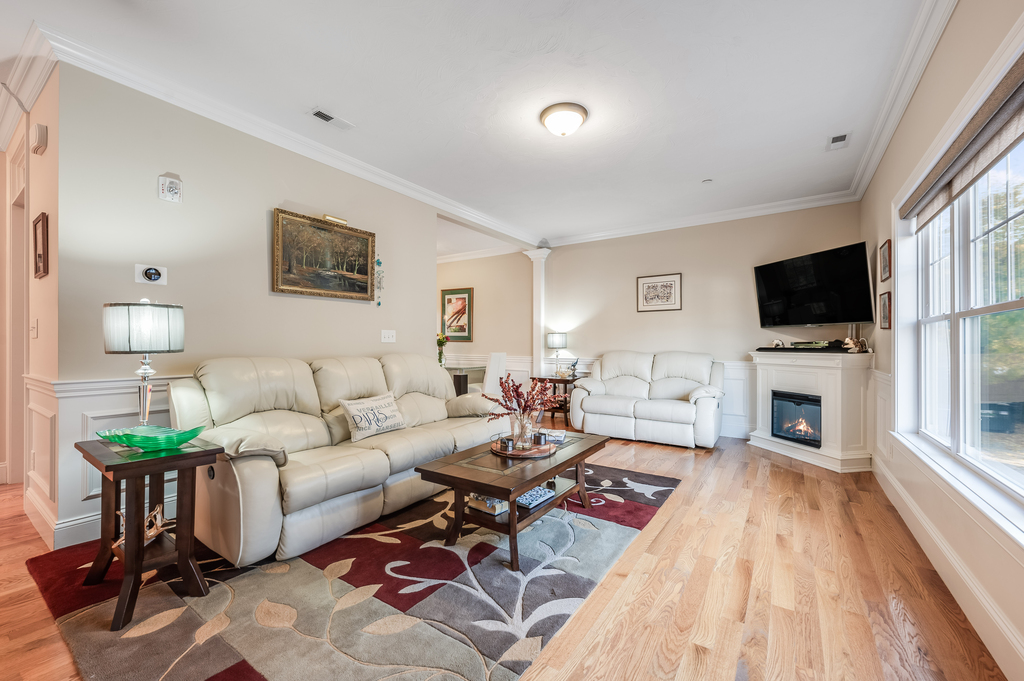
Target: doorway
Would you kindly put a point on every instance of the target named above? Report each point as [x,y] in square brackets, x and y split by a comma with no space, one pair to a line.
[15,317]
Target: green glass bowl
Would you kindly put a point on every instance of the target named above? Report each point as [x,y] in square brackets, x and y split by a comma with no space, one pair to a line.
[150,438]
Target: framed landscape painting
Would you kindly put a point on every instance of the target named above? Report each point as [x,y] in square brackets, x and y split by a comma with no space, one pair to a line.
[457,314]
[659,292]
[314,257]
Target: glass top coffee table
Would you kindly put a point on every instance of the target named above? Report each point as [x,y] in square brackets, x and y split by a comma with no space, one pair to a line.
[479,471]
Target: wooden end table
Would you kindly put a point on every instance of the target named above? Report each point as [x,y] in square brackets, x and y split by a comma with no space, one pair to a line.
[562,408]
[120,463]
[478,470]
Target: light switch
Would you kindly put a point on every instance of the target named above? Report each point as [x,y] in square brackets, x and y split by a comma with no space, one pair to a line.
[387,336]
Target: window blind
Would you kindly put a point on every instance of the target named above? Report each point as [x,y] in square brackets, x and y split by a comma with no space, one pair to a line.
[997,125]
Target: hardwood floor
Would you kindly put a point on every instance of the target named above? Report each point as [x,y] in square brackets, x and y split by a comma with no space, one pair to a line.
[758,567]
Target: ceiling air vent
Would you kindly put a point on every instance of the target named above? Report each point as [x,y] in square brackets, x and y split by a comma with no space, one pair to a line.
[340,123]
[838,142]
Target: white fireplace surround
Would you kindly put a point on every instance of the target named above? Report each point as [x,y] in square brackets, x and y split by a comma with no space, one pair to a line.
[841,380]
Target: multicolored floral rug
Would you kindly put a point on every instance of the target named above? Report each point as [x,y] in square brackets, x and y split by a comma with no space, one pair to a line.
[388,601]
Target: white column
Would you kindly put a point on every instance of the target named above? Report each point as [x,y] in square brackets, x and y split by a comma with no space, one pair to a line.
[538,257]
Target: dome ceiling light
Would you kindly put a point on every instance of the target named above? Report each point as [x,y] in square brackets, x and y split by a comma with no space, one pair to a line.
[564,118]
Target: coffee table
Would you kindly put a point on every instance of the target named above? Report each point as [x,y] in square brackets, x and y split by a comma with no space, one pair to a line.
[479,471]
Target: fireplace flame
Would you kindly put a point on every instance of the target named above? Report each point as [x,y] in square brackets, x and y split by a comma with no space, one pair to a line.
[800,427]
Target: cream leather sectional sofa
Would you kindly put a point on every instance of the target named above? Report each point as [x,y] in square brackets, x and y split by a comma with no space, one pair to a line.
[674,398]
[291,479]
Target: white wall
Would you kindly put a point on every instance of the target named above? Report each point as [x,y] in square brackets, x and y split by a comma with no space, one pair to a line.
[116,141]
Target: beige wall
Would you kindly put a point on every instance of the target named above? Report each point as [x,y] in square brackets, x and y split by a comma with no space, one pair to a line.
[5,208]
[502,303]
[115,142]
[591,287]
[42,198]
[973,33]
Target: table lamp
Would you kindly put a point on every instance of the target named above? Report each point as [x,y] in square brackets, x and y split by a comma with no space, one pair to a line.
[558,342]
[143,328]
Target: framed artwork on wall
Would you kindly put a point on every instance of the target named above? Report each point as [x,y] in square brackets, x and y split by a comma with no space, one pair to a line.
[457,314]
[659,292]
[885,310]
[885,260]
[315,257]
[41,245]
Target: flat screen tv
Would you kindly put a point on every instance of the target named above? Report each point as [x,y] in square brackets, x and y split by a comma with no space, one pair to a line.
[830,287]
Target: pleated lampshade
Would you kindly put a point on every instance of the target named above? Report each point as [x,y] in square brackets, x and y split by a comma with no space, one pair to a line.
[143,328]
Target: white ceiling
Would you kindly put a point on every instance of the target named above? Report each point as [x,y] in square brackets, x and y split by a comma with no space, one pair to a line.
[445,94]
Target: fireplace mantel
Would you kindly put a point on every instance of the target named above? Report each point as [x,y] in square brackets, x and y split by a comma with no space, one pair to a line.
[841,379]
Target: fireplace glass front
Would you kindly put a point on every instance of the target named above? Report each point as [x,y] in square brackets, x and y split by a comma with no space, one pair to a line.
[797,418]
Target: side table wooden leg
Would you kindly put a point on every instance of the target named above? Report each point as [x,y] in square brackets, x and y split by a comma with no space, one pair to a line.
[455,529]
[581,480]
[110,498]
[134,551]
[513,539]
[184,535]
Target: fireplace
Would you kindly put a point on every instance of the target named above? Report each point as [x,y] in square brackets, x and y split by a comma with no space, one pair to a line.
[797,418]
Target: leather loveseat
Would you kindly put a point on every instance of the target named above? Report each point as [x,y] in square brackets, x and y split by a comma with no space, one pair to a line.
[291,479]
[673,398]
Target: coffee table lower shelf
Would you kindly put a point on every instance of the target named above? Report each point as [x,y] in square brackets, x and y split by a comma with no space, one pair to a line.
[510,524]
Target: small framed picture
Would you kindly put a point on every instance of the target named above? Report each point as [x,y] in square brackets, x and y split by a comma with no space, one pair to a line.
[885,260]
[659,292]
[885,309]
[41,245]
[457,314]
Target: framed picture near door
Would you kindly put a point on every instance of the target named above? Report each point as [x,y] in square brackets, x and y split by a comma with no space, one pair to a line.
[659,292]
[41,245]
[457,314]
[885,260]
[885,310]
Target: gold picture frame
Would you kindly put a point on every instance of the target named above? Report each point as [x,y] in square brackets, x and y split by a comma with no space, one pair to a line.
[317,257]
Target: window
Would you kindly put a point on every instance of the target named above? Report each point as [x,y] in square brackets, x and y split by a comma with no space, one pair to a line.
[971,323]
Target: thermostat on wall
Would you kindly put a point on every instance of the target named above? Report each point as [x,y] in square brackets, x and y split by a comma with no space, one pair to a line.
[170,188]
[150,274]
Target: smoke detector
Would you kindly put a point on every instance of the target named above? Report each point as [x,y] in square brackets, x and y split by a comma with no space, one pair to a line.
[339,123]
[838,142]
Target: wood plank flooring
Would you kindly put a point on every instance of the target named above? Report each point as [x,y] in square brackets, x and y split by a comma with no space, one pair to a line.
[758,567]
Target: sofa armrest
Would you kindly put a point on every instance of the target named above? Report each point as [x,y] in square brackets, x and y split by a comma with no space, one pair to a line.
[705,391]
[591,385]
[470,404]
[239,442]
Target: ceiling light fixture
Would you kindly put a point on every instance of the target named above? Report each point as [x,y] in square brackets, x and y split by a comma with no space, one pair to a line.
[564,118]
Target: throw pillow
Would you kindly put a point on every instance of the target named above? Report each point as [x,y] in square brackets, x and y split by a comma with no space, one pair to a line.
[372,416]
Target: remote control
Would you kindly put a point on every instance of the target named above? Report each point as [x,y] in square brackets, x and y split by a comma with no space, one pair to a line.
[535,497]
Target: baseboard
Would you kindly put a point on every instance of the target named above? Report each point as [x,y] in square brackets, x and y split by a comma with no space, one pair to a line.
[87,527]
[951,566]
[39,515]
[737,427]
[854,464]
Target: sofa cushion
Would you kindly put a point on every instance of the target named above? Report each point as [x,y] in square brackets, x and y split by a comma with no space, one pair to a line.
[695,366]
[237,386]
[672,411]
[472,431]
[673,388]
[316,475]
[612,405]
[411,447]
[626,363]
[294,430]
[372,416]
[421,387]
[347,378]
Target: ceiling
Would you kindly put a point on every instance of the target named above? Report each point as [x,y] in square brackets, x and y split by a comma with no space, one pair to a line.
[457,242]
[445,95]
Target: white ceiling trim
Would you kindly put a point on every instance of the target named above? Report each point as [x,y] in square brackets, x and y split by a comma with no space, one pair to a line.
[719,216]
[924,37]
[70,51]
[31,70]
[484,253]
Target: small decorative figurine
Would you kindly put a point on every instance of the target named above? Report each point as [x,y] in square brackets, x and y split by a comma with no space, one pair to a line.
[856,345]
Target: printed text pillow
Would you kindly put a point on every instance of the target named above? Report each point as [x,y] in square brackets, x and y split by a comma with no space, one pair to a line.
[372,416]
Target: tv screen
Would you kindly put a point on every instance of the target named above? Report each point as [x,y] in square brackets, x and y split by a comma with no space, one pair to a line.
[830,287]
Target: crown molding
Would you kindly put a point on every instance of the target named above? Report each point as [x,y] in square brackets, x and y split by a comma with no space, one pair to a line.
[32,68]
[786,206]
[78,54]
[924,37]
[483,253]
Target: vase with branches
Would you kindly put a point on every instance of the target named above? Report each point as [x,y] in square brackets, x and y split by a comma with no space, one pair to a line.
[520,406]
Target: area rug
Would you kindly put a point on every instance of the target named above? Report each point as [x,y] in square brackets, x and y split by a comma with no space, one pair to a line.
[387,601]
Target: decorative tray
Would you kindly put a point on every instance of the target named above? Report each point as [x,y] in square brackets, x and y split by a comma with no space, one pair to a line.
[534,452]
[150,438]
